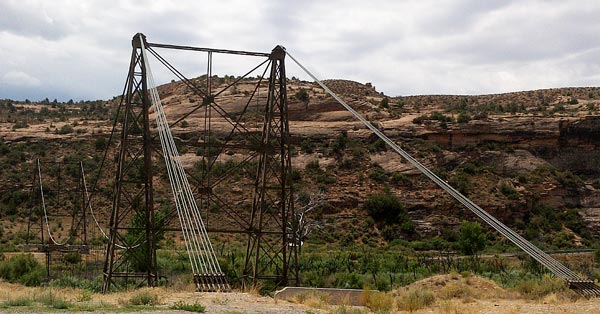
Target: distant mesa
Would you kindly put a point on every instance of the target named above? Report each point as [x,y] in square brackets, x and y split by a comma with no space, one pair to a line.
[347,87]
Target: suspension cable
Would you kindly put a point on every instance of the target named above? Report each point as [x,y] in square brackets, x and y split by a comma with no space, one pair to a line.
[200,250]
[39,171]
[89,206]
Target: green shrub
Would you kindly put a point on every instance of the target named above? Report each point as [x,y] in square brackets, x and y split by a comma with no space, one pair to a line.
[72,257]
[23,269]
[313,166]
[461,182]
[385,102]
[22,301]
[180,305]
[463,118]
[144,297]
[307,146]
[339,144]
[509,191]
[378,146]
[419,119]
[378,175]
[100,143]
[76,282]
[436,115]
[66,129]
[61,304]
[302,95]
[564,239]
[50,298]
[408,227]
[538,288]
[472,238]
[398,178]
[385,207]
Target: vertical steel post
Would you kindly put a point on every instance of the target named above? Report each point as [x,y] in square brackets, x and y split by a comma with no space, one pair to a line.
[269,252]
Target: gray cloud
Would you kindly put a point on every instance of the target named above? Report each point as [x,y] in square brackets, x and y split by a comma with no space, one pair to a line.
[30,21]
[64,49]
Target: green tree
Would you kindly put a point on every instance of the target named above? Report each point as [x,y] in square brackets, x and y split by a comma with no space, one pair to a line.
[100,143]
[463,118]
[472,238]
[136,237]
[385,207]
[385,102]
[23,269]
[303,96]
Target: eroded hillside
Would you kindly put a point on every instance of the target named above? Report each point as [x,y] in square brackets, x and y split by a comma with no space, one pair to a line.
[529,158]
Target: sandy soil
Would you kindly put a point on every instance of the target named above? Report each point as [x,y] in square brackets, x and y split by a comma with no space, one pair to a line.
[486,297]
[219,303]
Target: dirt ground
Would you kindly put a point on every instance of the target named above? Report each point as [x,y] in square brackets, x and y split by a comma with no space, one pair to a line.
[457,295]
[481,296]
[219,303]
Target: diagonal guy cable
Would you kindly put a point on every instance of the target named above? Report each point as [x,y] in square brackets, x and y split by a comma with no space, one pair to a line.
[200,250]
[542,257]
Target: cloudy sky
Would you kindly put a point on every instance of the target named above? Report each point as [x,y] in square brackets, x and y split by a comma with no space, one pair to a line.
[80,49]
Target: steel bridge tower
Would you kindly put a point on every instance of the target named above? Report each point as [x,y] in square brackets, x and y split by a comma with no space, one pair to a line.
[132,227]
[262,212]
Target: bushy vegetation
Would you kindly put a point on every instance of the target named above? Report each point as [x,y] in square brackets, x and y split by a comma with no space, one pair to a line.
[415,299]
[194,307]
[536,288]
[544,223]
[66,129]
[509,191]
[436,116]
[302,95]
[144,297]
[472,239]
[93,285]
[385,207]
[137,257]
[23,269]
[48,298]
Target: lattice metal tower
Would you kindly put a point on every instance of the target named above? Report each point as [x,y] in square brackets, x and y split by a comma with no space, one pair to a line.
[274,170]
[263,207]
[133,190]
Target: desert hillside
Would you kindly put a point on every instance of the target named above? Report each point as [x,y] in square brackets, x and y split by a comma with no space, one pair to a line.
[526,157]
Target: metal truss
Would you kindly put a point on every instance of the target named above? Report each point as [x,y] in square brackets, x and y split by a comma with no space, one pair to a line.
[253,197]
[131,249]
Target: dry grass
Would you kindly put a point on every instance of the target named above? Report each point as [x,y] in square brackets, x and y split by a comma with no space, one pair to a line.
[457,291]
[312,299]
[145,296]
[415,299]
[465,287]
[47,297]
[538,289]
[343,309]
[253,289]
[450,294]
[377,302]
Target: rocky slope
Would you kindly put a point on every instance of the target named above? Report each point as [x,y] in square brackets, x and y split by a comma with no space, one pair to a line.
[527,157]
